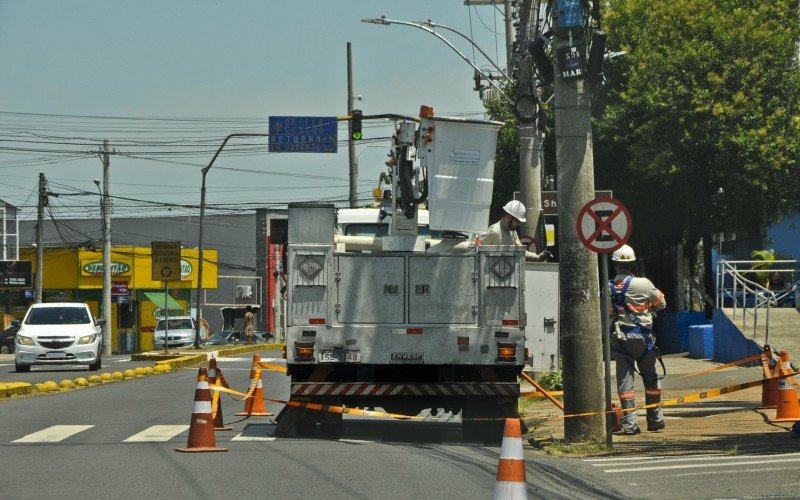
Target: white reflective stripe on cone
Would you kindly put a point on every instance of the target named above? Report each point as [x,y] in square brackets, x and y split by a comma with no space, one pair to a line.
[512,448]
[504,490]
[202,407]
[203,384]
[212,373]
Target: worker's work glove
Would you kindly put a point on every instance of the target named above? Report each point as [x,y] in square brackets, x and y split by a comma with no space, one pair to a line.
[545,256]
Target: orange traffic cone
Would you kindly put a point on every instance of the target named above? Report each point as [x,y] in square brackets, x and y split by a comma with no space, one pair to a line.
[769,391]
[511,483]
[255,406]
[214,377]
[201,428]
[788,404]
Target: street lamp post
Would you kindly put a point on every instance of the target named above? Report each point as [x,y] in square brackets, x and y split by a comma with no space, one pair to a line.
[199,289]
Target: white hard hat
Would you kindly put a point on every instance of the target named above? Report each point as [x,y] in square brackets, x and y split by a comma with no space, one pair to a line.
[515,209]
[624,254]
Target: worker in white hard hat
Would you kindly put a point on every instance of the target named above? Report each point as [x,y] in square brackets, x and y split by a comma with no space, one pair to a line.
[632,341]
[504,231]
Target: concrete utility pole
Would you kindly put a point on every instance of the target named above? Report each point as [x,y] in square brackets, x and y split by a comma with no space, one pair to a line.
[351,144]
[530,140]
[106,253]
[37,284]
[580,304]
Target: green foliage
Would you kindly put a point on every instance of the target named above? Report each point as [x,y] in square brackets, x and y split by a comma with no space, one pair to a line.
[506,166]
[766,257]
[553,381]
[698,131]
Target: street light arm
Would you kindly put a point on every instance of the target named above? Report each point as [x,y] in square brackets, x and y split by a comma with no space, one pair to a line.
[199,289]
[386,22]
[433,25]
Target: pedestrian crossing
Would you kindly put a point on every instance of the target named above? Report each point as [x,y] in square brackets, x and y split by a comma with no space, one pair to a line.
[671,468]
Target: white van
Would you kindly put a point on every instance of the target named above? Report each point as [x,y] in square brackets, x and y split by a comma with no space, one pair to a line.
[180,330]
[59,333]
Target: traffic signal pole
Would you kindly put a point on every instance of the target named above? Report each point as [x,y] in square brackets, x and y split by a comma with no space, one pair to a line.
[579,288]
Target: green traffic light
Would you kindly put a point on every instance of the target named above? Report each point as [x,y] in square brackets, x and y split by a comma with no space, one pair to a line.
[357,136]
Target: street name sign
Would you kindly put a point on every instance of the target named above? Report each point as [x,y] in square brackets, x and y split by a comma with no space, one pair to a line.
[303,134]
[604,225]
[166,260]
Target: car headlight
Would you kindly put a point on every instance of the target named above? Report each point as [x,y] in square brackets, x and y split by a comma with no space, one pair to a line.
[88,339]
[22,340]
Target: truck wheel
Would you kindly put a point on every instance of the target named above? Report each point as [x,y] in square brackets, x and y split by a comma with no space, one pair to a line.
[21,368]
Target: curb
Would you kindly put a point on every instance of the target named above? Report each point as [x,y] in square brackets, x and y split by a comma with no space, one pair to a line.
[163,364]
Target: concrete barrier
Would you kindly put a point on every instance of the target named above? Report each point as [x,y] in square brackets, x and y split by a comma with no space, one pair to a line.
[730,343]
[701,341]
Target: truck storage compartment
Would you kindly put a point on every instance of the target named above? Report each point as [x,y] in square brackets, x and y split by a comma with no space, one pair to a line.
[442,289]
[370,289]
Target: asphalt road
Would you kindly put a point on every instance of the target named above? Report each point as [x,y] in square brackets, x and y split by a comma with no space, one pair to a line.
[118,441]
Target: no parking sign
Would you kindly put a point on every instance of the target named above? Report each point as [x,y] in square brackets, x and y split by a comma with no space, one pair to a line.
[604,225]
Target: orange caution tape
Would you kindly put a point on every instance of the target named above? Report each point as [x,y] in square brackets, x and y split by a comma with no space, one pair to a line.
[271,366]
[742,361]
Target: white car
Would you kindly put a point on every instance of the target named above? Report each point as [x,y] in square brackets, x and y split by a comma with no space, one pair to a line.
[59,333]
[180,330]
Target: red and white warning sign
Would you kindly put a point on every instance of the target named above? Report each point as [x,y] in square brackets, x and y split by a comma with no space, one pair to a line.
[604,225]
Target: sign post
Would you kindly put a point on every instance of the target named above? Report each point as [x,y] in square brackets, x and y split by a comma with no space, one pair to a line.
[165,266]
[604,225]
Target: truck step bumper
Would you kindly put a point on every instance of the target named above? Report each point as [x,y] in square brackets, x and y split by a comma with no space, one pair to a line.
[363,389]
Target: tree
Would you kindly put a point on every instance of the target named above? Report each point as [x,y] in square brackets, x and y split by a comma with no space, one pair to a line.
[698,131]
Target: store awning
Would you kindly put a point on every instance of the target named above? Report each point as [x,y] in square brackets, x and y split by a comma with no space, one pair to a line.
[157,298]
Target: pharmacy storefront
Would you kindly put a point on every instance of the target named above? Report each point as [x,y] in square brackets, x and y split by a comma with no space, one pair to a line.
[72,274]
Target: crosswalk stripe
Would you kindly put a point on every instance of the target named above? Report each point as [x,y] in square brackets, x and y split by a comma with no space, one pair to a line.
[702,458]
[690,466]
[53,434]
[242,437]
[157,433]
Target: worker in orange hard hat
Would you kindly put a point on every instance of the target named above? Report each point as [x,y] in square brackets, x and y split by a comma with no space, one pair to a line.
[633,301]
[504,231]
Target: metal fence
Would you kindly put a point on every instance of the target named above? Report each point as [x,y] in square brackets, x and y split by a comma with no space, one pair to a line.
[749,299]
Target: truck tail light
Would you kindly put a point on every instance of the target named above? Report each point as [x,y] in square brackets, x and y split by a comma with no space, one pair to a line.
[316,321]
[414,331]
[283,351]
[303,350]
[510,322]
[506,351]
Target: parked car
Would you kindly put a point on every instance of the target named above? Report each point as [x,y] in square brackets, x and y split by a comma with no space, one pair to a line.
[59,333]
[8,338]
[180,330]
[225,337]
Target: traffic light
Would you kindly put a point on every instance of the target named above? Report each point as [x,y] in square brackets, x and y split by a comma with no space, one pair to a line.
[355,124]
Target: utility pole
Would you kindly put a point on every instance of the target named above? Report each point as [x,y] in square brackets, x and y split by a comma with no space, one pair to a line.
[351,144]
[580,303]
[37,285]
[106,253]
[530,140]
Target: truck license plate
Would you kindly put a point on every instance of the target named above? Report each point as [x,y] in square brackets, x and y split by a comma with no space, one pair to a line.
[339,356]
[55,355]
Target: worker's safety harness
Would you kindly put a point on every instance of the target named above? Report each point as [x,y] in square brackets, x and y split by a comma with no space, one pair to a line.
[619,305]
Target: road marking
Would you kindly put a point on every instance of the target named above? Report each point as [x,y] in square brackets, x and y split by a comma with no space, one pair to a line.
[242,437]
[53,434]
[357,441]
[782,459]
[157,433]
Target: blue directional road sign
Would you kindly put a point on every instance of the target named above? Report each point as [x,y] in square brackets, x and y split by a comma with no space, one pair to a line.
[303,134]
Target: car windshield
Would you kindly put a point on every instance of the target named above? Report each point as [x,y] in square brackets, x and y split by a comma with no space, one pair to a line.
[175,324]
[58,316]
[219,336]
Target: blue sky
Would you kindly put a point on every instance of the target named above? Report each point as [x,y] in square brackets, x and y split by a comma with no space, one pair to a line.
[229,65]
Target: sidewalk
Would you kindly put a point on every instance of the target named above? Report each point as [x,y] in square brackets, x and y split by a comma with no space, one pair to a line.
[727,424]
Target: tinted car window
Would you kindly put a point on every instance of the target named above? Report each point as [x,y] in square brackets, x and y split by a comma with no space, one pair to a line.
[58,316]
[175,324]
